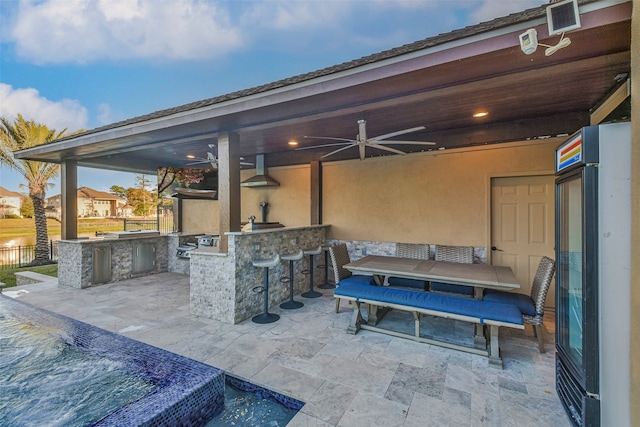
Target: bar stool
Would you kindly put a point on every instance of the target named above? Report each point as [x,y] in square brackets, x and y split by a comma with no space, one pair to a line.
[326,284]
[311,252]
[291,304]
[265,317]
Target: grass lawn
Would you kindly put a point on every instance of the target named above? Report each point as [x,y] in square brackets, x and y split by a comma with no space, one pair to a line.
[9,279]
[12,228]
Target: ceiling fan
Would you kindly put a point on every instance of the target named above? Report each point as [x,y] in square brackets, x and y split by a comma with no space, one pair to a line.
[362,141]
[212,159]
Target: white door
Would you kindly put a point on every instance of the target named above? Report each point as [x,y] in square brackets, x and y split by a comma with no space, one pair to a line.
[523,226]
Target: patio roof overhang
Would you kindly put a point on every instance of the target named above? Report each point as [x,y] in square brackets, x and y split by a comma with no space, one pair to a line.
[437,83]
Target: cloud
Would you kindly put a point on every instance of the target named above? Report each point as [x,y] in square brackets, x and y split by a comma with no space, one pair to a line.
[83,31]
[58,115]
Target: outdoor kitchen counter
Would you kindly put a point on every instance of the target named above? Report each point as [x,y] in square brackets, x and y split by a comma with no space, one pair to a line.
[222,283]
[89,262]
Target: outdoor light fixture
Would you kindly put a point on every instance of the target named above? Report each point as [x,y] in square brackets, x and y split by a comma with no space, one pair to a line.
[293,143]
[480,114]
[562,16]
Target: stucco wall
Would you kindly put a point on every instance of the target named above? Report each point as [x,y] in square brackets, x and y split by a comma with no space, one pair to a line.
[438,197]
[288,203]
[200,216]
[635,218]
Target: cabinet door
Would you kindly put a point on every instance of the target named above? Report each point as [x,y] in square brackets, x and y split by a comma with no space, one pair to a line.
[144,257]
[101,264]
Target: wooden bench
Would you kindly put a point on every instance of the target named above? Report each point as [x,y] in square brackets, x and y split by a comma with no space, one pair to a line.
[493,315]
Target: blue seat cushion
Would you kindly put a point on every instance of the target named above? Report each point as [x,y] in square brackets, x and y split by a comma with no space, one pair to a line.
[450,288]
[466,307]
[523,302]
[408,283]
[358,278]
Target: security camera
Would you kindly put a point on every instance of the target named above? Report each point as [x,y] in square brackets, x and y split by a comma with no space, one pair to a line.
[529,41]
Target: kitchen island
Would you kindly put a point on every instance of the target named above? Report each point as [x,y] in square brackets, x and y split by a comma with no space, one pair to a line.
[222,284]
[119,256]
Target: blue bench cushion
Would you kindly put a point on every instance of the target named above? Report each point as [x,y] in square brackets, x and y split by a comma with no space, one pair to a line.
[358,278]
[466,307]
[450,288]
[408,283]
[523,302]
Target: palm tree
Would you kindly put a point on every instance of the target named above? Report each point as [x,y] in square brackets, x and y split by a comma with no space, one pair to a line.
[19,135]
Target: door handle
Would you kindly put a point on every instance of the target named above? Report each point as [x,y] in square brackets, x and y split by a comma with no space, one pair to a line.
[493,248]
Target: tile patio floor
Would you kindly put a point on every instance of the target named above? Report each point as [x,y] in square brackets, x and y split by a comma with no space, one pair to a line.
[369,379]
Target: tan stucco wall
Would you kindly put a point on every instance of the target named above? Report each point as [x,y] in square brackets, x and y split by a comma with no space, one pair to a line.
[438,197]
[200,216]
[288,203]
[635,212]
[441,197]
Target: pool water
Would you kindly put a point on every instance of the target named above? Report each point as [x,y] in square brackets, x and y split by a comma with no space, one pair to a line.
[69,391]
[57,371]
[253,408]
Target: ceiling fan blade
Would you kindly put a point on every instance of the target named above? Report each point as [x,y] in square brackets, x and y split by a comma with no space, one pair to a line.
[382,147]
[337,151]
[199,162]
[332,138]
[400,132]
[326,145]
[406,142]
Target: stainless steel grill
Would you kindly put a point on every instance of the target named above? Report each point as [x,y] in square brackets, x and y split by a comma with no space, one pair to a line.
[184,251]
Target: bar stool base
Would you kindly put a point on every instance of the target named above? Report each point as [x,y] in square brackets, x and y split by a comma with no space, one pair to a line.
[265,318]
[311,294]
[291,305]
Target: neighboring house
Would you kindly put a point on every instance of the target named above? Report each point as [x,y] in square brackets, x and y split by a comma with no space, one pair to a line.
[92,203]
[10,202]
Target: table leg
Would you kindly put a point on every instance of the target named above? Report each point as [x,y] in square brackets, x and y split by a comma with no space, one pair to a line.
[479,339]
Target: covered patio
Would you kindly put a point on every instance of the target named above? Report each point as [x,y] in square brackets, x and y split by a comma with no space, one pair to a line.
[364,380]
[440,194]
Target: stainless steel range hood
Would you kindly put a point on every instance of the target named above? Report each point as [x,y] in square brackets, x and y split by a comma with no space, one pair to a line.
[261,179]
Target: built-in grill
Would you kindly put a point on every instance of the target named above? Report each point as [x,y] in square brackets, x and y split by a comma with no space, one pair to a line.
[206,240]
[184,251]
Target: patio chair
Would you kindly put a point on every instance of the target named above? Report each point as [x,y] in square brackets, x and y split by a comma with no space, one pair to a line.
[339,258]
[531,307]
[414,251]
[462,254]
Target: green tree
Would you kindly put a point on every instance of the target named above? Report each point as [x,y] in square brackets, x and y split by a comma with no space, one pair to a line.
[26,207]
[116,190]
[20,135]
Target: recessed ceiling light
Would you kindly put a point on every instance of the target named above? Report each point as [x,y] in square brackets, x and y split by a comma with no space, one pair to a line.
[190,156]
[480,114]
[293,142]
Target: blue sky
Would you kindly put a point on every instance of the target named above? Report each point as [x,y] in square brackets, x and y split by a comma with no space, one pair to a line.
[80,64]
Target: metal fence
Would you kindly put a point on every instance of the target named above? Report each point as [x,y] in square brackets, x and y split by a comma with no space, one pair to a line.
[22,256]
[163,222]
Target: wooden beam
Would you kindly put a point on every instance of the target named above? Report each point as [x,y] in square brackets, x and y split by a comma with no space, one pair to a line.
[69,199]
[316,192]
[228,186]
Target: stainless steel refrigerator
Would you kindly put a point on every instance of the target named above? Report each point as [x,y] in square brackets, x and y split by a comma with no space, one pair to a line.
[593,280]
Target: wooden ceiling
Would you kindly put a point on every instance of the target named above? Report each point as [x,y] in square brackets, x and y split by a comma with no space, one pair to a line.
[526,96]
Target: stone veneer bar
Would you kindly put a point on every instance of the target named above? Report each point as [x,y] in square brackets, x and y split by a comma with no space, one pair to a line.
[221,285]
[75,258]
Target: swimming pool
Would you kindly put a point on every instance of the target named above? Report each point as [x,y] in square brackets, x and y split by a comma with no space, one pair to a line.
[96,377]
